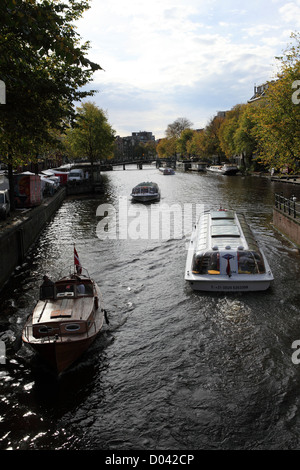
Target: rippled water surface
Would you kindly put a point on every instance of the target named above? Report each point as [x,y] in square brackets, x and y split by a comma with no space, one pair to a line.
[173,369]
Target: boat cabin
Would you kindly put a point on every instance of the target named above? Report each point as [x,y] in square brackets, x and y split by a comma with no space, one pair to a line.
[226,246]
[67,288]
[145,188]
[65,307]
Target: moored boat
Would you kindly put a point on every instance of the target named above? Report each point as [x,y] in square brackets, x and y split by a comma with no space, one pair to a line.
[223,255]
[183,165]
[66,319]
[167,171]
[146,192]
[225,169]
[198,166]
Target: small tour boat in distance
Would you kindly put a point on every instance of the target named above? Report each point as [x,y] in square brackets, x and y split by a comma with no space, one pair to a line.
[66,319]
[223,255]
[225,169]
[167,171]
[146,192]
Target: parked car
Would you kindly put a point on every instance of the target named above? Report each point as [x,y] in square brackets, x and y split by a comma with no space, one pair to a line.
[4,204]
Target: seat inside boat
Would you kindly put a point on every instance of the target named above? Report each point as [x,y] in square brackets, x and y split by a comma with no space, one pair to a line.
[71,288]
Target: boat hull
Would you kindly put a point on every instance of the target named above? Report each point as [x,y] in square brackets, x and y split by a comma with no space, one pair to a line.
[224,170]
[167,171]
[152,198]
[233,285]
[60,356]
[61,353]
[230,172]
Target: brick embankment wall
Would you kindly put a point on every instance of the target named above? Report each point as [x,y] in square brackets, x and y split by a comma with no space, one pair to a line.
[16,240]
[287,225]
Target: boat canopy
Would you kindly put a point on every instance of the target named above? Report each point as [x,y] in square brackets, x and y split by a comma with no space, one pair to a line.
[224,235]
[249,262]
[145,188]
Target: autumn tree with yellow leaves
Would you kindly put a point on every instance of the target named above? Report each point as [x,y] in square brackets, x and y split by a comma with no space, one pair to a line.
[277,117]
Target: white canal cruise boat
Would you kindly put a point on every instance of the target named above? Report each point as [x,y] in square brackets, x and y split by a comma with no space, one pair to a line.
[223,255]
[225,169]
[167,171]
[146,192]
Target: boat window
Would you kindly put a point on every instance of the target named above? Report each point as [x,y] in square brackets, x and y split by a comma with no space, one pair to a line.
[251,262]
[207,263]
[65,290]
[84,289]
[45,330]
[72,327]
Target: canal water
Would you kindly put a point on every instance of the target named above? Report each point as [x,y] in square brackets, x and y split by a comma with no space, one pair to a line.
[174,369]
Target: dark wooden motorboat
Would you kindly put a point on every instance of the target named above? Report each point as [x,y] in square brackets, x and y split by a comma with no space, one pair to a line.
[66,319]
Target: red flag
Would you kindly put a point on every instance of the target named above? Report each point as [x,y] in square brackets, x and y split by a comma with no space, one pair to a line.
[77,262]
[228,268]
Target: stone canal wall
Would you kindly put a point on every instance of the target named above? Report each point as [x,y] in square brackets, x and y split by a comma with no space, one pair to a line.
[16,240]
[287,225]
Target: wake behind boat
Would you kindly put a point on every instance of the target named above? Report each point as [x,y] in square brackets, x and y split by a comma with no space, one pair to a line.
[66,319]
[223,255]
[146,192]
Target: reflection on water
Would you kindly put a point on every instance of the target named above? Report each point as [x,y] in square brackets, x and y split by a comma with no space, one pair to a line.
[174,369]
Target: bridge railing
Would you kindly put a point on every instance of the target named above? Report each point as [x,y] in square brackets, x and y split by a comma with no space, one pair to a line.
[288,206]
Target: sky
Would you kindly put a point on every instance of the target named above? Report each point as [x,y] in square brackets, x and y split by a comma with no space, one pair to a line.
[169,59]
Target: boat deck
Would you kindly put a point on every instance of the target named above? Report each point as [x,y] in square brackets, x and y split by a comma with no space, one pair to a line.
[47,311]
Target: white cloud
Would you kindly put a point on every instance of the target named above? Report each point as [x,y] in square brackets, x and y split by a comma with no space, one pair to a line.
[169,58]
[290,13]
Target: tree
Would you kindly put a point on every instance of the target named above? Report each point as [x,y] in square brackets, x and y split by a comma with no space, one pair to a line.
[182,143]
[149,149]
[244,137]
[44,68]
[213,144]
[175,129]
[227,130]
[166,147]
[278,115]
[197,145]
[91,135]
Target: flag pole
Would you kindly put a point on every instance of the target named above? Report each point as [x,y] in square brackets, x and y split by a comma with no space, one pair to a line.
[74,258]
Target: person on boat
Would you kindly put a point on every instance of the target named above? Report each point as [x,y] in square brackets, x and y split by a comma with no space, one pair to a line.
[47,281]
[80,289]
[47,288]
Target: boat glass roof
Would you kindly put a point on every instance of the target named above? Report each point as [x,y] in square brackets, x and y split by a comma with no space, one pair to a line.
[225,231]
[222,214]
